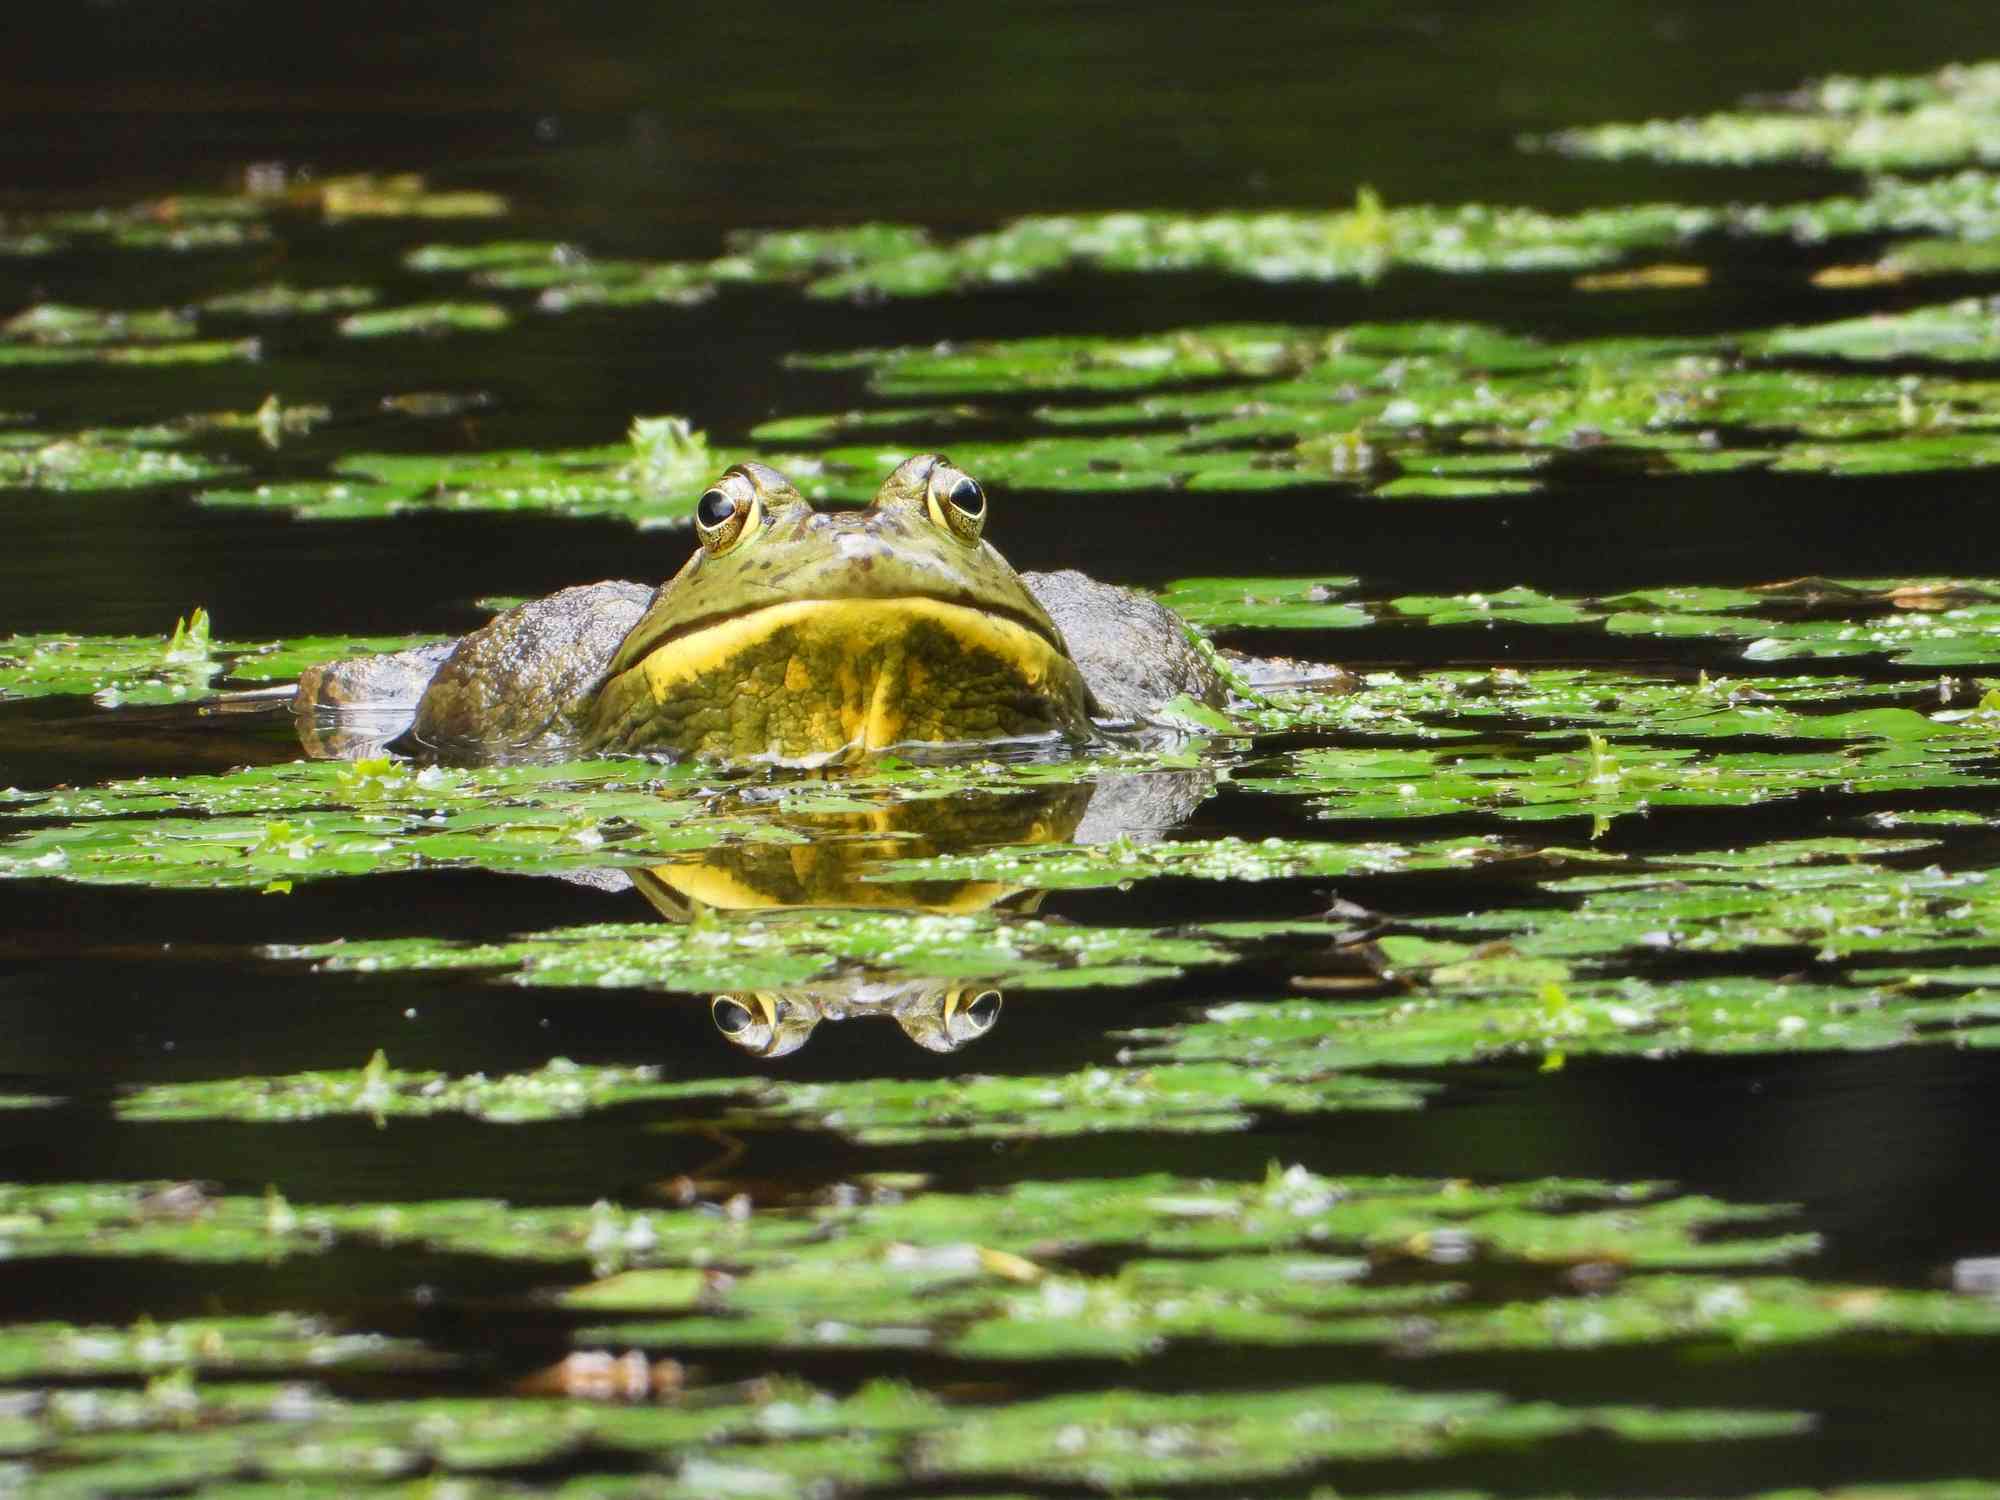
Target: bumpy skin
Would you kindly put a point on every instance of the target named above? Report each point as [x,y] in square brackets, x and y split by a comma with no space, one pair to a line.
[530,677]
[1133,651]
[520,680]
[800,632]
[812,631]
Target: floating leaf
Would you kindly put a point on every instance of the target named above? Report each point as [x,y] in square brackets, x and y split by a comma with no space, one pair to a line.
[427,317]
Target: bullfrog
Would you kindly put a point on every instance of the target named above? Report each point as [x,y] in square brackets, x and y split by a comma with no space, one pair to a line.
[791,634]
[939,1017]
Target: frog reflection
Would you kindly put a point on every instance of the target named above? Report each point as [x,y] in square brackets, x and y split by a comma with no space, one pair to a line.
[829,869]
[937,1017]
[828,859]
[817,861]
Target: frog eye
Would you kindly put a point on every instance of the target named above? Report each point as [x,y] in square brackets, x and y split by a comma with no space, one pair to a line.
[726,512]
[970,1016]
[747,1020]
[957,503]
[983,1009]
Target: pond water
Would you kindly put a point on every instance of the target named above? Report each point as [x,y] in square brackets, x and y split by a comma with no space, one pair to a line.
[1562,1064]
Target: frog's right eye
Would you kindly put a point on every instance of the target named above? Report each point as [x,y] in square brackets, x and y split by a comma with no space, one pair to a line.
[726,513]
[956,502]
[714,508]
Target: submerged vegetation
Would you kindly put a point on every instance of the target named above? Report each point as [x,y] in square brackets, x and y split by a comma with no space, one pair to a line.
[1164,1242]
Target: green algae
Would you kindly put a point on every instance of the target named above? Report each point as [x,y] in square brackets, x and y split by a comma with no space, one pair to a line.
[275,1343]
[557,1090]
[317,819]
[651,481]
[1965,330]
[54,324]
[256,213]
[426,318]
[1229,858]
[775,950]
[1365,243]
[1940,257]
[482,257]
[280,299]
[55,334]
[144,457]
[98,460]
[312,818]
[112,669]
[778,1439]
[1273,604]
[162,669]
[1361,243]
[1292,1260]
[1117,1439]
[1945,119]
[1882,749]
[1197,1098]
[1416,412]
[1915,622]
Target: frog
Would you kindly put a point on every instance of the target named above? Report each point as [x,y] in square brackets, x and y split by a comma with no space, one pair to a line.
[937,1016]
[792,634]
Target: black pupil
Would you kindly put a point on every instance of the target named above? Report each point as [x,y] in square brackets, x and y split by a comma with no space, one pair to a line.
[968,497]
[714,508]
[731,1017]
[985,1006]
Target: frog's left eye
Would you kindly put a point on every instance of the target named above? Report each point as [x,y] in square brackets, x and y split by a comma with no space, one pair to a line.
[957,503]
[970,1014]
[726,513]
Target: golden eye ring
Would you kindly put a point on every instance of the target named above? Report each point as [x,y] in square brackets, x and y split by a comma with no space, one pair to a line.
[728,511]
[732,1017]
[957,503]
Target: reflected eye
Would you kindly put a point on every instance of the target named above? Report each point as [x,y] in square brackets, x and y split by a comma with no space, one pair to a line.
[984,1009]
[732,1016]
[725,513]
[967,1018]
[957,503]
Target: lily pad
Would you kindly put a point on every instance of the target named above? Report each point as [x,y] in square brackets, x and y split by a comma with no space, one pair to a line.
[53,334]
[132,458]
[1110,1440]
[555,1091]
[427,317]
[280,299]
[316,819]
[164,669]
[279,1342]
[1358,244]
[793,948]
[1943,119]
[652,482]
[1966,330]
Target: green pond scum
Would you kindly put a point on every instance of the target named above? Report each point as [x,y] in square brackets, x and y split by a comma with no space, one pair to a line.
[1465,1080]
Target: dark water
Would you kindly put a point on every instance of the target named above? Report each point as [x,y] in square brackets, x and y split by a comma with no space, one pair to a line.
[652,130]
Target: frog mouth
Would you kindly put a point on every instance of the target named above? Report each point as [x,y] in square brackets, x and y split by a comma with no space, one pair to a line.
[707,636]
[808,676]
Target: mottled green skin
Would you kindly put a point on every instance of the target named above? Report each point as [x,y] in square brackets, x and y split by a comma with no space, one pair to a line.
[772,690]
[566,672]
